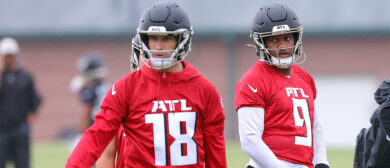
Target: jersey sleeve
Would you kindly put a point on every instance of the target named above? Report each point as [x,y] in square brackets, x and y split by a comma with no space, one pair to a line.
[319,145]
[214,141]
[107,121]
[249,94]
[313,87]
[309,79]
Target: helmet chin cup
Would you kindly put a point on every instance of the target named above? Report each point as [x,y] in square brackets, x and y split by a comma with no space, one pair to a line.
[282,63]
[162,63]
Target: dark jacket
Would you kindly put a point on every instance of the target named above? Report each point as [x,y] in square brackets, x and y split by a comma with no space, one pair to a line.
[373,145]
[382,96]
[18,97]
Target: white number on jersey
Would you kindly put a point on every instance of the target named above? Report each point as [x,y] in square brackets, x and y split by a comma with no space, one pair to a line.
[300,122]
[183,139]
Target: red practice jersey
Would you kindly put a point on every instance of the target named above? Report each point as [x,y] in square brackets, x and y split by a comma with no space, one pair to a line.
[120,139]
[171,119]
[288,104]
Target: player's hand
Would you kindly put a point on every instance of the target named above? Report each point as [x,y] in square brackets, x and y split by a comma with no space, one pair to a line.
[321,165]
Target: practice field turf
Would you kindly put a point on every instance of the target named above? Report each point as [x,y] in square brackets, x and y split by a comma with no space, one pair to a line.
[55,154]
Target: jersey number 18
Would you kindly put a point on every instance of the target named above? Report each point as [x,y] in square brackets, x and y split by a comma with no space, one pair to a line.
[183,137]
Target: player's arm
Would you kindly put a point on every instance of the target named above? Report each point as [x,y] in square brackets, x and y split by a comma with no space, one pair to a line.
[85,119]
[98,136]
[251,127]
[320,159]
[215,145]
[107,159]
[94,140]
[213,130]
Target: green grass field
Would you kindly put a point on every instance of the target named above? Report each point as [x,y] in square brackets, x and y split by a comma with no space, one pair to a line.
[55,154]
[338,158]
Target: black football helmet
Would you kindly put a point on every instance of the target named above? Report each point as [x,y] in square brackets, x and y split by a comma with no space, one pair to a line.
[273,20]
[165,18]
[92,65]
[135,53]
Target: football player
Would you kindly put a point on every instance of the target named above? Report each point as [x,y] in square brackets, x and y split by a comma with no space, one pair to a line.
[171,115]
[278,124]
[115,147]
[91,87]
[94,87]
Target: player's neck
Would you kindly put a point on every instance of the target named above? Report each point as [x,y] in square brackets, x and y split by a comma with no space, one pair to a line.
[285,72]
[175,68]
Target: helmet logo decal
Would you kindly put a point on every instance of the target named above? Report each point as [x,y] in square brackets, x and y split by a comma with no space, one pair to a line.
[280,28]
[157,29]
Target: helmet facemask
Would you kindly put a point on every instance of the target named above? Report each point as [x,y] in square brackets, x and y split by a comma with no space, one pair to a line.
[135,54]
[181,50]
[297,57]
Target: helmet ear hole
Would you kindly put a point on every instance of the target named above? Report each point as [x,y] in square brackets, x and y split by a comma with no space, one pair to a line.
[296,37]
[179,58]
[145,55]
[257,51]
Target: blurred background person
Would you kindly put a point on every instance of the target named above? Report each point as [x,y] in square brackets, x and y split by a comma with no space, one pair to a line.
[19,101]
[382,96]
[91,86]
